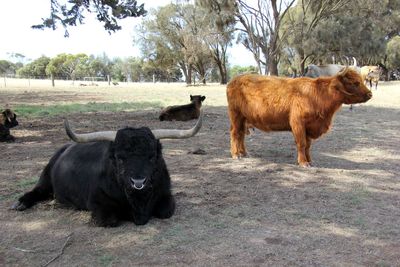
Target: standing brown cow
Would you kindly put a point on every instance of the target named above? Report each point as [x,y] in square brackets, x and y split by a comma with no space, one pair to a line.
[304,106]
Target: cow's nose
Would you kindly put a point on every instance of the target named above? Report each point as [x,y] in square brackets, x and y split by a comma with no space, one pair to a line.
[369,95]
[138,183]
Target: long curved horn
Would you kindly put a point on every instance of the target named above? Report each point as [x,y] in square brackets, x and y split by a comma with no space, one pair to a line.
[89,137]
[179,134]
[110,135]
[354,62]
[343,71]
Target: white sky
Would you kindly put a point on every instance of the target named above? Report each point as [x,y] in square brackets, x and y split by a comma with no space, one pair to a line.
[17,36]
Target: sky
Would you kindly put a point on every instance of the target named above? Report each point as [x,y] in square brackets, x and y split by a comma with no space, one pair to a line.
[17,36]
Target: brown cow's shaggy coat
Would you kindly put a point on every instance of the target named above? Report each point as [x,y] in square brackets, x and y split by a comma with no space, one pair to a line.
[304,106]
[184,112]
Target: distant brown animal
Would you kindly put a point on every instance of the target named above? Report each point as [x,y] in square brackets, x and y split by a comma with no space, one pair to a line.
[184,112]
[371,74]
[303,105]
[8,119]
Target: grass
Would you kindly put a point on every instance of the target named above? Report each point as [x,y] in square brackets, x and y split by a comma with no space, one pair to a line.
[106,260]
[27,183]
[19,188]
[53,110]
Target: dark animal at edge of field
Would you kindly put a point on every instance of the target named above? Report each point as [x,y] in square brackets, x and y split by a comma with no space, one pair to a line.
[305,106]
[8,120]
[184,112]
[117,175]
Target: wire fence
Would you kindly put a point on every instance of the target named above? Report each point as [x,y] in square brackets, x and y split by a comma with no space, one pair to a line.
[15,81]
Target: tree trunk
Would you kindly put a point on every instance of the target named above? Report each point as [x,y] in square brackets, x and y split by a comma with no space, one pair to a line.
[222,72]
[52,80]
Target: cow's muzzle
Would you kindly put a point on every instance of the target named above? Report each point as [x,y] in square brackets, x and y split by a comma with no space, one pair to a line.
[138,184]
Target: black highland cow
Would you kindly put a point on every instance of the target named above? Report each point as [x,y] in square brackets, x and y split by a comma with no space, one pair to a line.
[8,120]
[184,112]
[116,175]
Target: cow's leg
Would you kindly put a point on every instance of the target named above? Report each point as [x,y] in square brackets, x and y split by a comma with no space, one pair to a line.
[43,190]
[308,146]
[300,137]
[165,207]
[238,132]
[103,216]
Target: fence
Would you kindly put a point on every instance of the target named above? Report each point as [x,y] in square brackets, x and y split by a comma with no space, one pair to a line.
[15,81]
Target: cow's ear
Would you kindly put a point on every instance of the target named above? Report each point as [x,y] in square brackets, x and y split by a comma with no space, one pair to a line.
[202,98]
[191,97]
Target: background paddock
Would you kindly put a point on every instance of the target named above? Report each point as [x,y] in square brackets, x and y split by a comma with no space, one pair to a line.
[261,210]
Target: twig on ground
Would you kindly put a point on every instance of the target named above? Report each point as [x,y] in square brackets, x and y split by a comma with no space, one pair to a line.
[61,250]
[24,250]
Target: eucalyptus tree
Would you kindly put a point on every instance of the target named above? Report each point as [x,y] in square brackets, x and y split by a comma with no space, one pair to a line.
[393,53]
[7,67]
[161,40]
[306,28]
[259,24]
[35,69]
[320,29]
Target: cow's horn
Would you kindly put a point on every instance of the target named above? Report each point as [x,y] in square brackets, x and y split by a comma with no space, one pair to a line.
[110,135]
[89,137]
[354,62]
[343,71]
[179,134]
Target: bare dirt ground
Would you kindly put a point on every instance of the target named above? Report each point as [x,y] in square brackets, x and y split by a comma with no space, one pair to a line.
[263,210]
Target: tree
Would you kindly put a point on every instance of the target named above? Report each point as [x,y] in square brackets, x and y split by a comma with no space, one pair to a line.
[320,30]
[260,27]
[307,33]
[108,11]
[218,36]
[35,69]
[393,53]
[7,67]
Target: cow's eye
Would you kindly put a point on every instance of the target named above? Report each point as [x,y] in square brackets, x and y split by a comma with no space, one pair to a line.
[357,83]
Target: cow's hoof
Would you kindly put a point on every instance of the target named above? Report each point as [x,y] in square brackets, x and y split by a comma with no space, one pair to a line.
[19,206]
[239,156]
[305,164]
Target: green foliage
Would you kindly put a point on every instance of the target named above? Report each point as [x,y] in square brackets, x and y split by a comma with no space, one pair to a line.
[108,12]
[393,53]
[53,110]
[237,70]
[36,69]
[7,67]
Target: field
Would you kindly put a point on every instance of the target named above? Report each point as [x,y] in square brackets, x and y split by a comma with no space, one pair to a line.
[263,210]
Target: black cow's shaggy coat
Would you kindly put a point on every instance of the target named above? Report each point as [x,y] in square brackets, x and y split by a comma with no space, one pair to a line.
[122,180]
[8,120]
[184,112]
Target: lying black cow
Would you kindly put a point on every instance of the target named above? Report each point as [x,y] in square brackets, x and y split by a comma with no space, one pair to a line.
[116,175]
[184,112]
[8,120]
